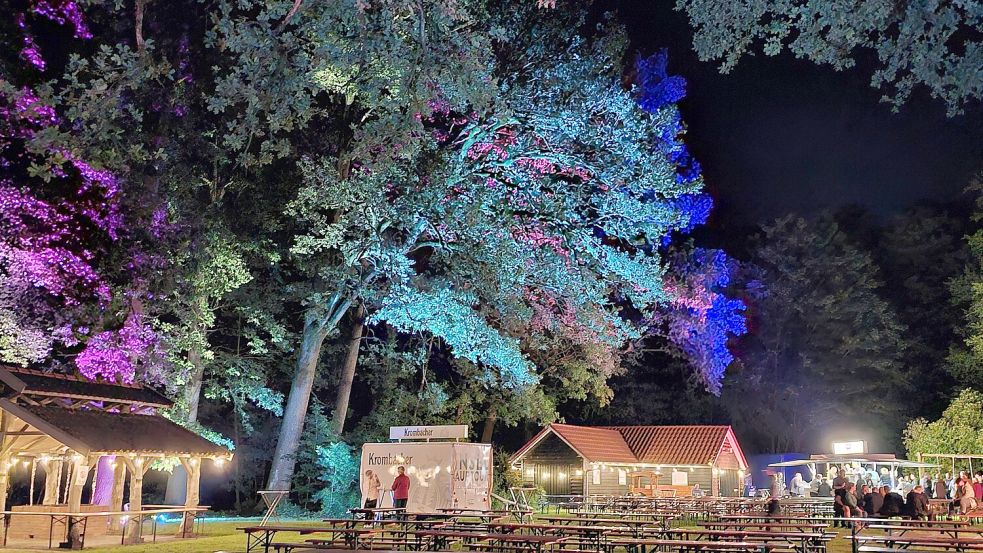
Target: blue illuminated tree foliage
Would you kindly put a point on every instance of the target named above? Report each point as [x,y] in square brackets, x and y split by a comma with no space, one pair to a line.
[701,318]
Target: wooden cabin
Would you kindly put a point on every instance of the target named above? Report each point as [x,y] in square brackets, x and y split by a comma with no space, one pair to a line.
[565,459]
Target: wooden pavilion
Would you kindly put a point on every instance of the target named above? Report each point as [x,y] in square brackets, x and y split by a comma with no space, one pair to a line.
[566,459]
[66,425]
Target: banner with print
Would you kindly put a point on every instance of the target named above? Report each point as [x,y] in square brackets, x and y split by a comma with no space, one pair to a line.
[442,475]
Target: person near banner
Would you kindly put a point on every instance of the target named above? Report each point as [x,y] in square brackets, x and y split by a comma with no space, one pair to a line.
[401,488]
[371,489]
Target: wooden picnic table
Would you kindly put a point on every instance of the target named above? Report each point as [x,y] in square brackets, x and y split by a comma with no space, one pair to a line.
[943,542]
[531,542]
[489,514]
[765,517]
[438,539]
[262,536]
[371,512]
[637,527]
[636,545]
[592,534]
[743,525]
[857,525]
[802,541]
[890,528]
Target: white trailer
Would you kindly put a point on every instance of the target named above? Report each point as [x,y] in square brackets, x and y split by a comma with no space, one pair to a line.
[443,475]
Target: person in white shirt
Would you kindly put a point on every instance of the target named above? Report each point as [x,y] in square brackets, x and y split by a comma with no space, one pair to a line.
[371,487]
[798,486]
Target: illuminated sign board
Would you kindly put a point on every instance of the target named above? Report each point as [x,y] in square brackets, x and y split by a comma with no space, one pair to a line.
[451,431]
[849,448]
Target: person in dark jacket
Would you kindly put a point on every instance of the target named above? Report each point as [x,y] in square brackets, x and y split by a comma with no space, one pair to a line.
[825,490]
[893,504]
[916,504]
[941,489]
[839,506]
[850,507]
[873,501]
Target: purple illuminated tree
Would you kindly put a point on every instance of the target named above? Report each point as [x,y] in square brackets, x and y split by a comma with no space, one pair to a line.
[59,217]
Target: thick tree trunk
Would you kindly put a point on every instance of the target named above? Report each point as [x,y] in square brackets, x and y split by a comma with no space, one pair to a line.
[486,432]
[192,392]
[348,371]
[295,412]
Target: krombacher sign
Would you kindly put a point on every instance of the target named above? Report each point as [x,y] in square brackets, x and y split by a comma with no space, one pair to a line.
[444,432]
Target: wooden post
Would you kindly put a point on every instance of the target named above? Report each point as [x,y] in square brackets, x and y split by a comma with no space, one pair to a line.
[116,498]
[4,482]
[137,467]
[193,467]
[80,474]
[52,480]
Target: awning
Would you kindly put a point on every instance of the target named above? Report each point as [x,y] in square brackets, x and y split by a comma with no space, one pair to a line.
[855,459]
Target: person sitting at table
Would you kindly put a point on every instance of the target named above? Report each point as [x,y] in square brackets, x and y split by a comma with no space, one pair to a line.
[873,500]
[698,491]
[850,507]
[916,504]
[893,504]
[401,488]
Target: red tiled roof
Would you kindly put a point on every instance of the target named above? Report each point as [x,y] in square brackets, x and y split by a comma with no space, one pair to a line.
[602,445]
[674,445]
[665,445]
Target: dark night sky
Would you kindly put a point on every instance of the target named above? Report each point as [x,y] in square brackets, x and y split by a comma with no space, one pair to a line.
[779,134]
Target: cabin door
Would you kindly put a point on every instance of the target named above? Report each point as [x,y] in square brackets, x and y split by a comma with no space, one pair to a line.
[554,479]
[730,484]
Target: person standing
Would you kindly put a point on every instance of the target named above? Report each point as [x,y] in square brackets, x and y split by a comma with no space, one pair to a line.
[825,490]
[978,484]
[941,490]
[798,486]
[775,489]
[401,488]
[967,496]
[371,488]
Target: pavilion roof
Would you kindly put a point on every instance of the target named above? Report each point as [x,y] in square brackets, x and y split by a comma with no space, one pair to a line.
[46,429]
[37,383]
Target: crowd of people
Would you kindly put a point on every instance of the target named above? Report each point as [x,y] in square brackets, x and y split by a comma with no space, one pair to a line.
[858,492]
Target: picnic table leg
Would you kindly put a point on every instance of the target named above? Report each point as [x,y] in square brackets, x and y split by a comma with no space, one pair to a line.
[853,539]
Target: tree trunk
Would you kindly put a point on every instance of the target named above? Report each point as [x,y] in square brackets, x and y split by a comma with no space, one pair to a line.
[192,391]
[486,433]
[295,412]
[348,371]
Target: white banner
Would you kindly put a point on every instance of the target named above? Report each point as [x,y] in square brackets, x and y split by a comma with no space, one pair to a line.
[442,474]
[448,431]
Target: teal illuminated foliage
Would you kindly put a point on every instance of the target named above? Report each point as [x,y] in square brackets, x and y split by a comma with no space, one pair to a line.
[339,469]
